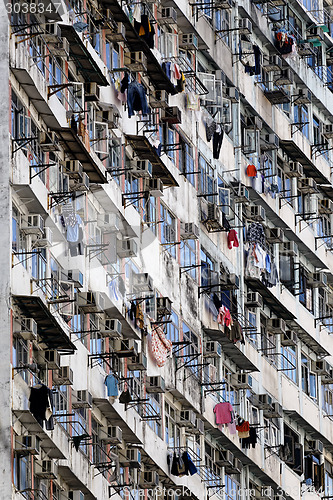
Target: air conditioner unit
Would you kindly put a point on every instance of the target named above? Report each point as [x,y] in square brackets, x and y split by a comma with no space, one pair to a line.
[116,36]
[213,349]
[126,348]
[271,141]
[223,4]
[314,446]
[235,468]
[155,385]
[275,235]
[60,48]
[189,231]
[256,212]
[276,325]
[253,123]
[64,376]
[275,412]
[91,91]
[265,401]
[274,63]
[200,426]
[76,277]
[317,280]
[27,445]
[214,215]
[33,224]
[127,248]
[244,26]
[187,418]
[46,469]
[188,41]
[46,240]
[27,329]
[243,194]
[138,362]
[305,49]
[81,399]
[254,299]
[49,141]
[321,367]
[142,282]
[240,380]
[50,359]
[91,301]
[328,131]
[168,16]
[289,338]
[325,206]
[307,185]
[52,33]
[132,458]
[232,93]
[285,78]
[289,248]
[328,378]
[314,33]
[111,328]
[142,168]
[304,96]
[111,434]
[135,61]
[159,99]
[149,479]
[224,458]
[163,306]
[154,187]
[294,169]
[74,168]
[171,115]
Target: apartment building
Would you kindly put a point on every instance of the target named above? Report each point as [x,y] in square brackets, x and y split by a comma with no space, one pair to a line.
[166,265]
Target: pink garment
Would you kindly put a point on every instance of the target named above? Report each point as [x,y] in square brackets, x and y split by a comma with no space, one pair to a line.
[220,316]
[178,74]
[232,427]
[223,413]
[160,346]
[227,316]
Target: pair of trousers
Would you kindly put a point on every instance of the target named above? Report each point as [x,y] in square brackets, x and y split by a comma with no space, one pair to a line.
[217,144]
[136,99]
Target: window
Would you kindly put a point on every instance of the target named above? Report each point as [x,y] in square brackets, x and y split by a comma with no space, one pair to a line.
[22,472]
[96,341]
[170,142]
[61,406]
[231,488]
[20,123]
[309,379]
[292,450]
[211,469]
[188,257]
[172,329]
[223,196]
[207,265]
[172,431]
[222,22]
[155,402]
[132,186]
[186,161]
[301,115]
[327,403]
[19,240]
[21,356]
[168,230]
[191,350]
[289,357]
[305,290]
[150,213]
[38,264]
[206,179]
[287,272]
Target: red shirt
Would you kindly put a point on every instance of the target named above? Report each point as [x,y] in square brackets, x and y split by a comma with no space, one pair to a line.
[251,171]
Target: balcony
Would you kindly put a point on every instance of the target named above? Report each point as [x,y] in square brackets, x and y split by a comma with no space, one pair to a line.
[50,330]
[84,61]
[145,151]
[136,43]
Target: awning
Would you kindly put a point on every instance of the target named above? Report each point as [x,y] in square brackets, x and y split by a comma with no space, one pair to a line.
[231,350]
[86,64]
[29,198]
[145,151]
[309,168]
[49,329]
[309,429]
[127,330]
[36,98]
[136,43]
[113,416]
[73,482]
[32,426]
[308,340]
[269,298]
[76,149]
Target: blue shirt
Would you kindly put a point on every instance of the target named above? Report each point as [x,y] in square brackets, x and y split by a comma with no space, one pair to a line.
[112,384]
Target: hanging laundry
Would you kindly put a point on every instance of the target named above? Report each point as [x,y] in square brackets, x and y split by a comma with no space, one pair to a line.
[251,171]
[125,397]
[217,142]
[243,428]
[192,102]
[136,99]
[111,383]
[137,13]
[41,405]
[225,222]
[256,233]
[139,317]
[210,128]
[284,42]
[255,67]
[232,239]
[246,53]
[251,440]
[190,468]
[236,332]
[161,347]
[77,440]
[224,413]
